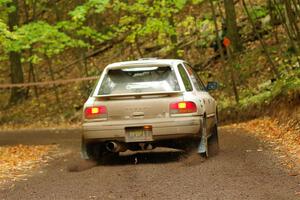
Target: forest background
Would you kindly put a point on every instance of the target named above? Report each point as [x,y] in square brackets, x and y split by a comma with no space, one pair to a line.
[42,41]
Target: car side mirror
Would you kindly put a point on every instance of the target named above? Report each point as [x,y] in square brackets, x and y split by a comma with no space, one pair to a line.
[211,86]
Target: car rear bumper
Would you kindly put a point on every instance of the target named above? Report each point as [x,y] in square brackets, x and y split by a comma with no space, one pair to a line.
[170,128]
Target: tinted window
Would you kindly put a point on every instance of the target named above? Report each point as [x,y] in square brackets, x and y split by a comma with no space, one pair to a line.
[195,78]
[138,80]
[185,78]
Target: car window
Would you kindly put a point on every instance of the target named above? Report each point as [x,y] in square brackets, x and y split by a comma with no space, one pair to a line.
[185,78]
[195,78]
[139,80]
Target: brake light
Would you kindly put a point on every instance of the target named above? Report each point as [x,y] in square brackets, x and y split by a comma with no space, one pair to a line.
[95,112]
[183,107]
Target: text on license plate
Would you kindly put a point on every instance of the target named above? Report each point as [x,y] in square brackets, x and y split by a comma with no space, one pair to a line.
[137,134]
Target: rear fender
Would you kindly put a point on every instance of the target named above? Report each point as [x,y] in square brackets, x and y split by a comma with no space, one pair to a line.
[190,96]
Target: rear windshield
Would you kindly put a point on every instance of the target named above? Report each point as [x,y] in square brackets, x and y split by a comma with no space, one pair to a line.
[139,80]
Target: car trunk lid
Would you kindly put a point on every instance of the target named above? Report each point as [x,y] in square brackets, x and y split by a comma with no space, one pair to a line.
[139,106]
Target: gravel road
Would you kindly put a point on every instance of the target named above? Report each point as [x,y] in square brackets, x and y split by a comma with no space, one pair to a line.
[239,171]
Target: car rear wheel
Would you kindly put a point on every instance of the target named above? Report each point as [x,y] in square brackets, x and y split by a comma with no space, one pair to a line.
[91,151]
[97,152]
[213,142]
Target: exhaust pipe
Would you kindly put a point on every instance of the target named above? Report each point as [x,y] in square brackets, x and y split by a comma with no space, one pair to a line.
[115,147]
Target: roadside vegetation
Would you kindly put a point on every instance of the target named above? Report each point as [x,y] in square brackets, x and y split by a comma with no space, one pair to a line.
[44,41]
[17,162]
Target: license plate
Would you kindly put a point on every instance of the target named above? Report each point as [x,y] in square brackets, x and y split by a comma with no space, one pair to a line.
[137,134]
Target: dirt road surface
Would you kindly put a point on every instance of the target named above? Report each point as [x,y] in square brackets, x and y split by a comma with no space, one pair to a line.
[239,171]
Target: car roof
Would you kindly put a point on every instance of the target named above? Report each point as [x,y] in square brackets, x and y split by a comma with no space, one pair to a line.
[144,62]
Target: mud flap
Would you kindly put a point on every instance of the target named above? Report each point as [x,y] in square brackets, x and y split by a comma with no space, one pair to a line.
[203,146]
[83,152]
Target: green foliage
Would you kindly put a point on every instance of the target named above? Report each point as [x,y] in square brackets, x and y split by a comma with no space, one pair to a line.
[80,13]
[180,3]
[268,91]
[145,19]
[258,12]
[4,8]
[89,32]
[4,2]
[262,97]
[197,1]
[49,40]
[139,19]
[5,34]
[206,32]
[187,26]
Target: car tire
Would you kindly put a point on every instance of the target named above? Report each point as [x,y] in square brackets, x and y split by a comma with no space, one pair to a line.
[98,152]
[91,151]
[213,142]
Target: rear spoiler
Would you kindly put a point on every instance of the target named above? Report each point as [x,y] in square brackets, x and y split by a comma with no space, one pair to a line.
[138,95]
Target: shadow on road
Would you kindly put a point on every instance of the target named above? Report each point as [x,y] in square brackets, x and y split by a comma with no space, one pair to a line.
[145,158]
[138,159]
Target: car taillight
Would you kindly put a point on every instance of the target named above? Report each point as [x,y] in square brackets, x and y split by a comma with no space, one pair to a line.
[95,112]
[183,107]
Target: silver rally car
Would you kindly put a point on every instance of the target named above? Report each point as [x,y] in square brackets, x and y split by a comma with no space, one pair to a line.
[148,103]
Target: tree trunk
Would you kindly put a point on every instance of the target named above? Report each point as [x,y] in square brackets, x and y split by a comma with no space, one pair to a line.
[32,76]
[285,25]
[219,42]
[31,71]
[232,75]
[271,9]
[138,47]
[174,40]
[261,41]
[292,23]
[53,79]
[17,76]
[231,25]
